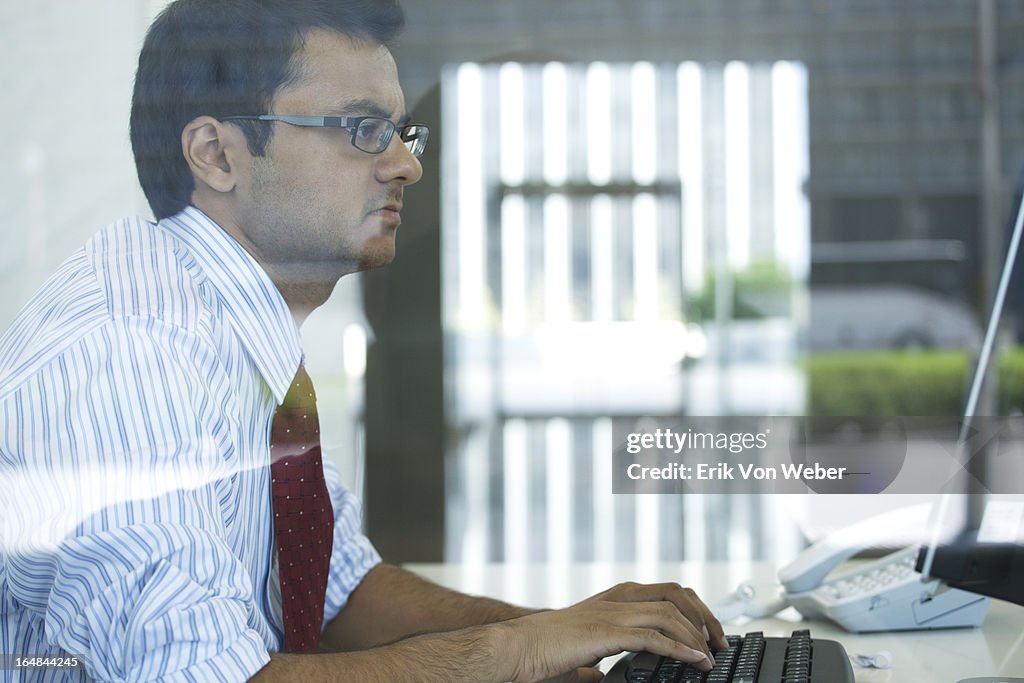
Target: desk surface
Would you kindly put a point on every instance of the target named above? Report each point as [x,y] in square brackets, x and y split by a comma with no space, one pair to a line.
[997,648]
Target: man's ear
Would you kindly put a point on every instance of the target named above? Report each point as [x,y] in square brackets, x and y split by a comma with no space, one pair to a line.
[209,147]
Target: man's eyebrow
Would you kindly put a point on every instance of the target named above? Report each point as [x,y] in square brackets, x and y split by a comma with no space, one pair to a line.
[364,107]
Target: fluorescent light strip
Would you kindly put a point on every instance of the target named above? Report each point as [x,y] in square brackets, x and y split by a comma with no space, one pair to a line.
[644,138]
[645,258]
[737,162]
[602,274]
[516,491]
[599,123]
[511,122]
[695,542]
[451,236]
[557,259]
[476,478]
[691,171]
[648,532]
[472,284]
[791,165]
[558,440]
[604,500]
[554,84]
[513,265]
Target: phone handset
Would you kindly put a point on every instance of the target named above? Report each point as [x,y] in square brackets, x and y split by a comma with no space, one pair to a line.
[811,567]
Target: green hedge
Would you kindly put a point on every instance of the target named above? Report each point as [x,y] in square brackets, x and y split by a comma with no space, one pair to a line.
[903,383]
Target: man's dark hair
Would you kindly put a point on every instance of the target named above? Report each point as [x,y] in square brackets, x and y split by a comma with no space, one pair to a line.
[223,58]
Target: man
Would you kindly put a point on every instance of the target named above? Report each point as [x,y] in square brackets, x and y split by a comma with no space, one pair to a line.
[140,392]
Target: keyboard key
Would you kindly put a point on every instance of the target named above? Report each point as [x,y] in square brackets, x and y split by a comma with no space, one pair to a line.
[747,660]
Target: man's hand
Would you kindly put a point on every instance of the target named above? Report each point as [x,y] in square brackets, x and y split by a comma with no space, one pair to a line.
[559,646]
[665,619]
[685,600]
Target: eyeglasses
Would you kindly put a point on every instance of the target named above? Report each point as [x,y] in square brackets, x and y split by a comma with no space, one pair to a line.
[370,134]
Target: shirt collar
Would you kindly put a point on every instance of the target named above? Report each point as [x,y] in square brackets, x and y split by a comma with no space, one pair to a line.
[254,306]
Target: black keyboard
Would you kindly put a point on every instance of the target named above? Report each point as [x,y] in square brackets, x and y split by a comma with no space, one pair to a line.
[749,659]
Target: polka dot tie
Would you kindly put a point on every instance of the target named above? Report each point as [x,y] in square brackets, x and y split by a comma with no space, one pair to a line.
[303,516]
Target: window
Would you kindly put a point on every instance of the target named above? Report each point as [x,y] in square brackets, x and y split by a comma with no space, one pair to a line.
[578,207]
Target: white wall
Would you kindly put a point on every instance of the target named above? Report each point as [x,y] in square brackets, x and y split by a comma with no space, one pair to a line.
[67,79]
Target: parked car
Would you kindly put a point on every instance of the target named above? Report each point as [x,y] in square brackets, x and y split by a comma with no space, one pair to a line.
[887,316]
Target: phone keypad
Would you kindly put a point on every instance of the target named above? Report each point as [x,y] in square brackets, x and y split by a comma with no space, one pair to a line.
[872,579]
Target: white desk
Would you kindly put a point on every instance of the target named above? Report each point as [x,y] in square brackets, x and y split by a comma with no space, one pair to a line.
[997,648]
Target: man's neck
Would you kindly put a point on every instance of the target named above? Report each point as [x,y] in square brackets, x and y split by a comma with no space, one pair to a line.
[303,286]
[302,298]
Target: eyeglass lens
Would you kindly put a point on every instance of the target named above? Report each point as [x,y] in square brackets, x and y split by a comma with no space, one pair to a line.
[373,135]
[415,139]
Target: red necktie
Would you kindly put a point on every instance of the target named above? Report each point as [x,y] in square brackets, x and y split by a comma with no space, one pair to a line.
[303,516]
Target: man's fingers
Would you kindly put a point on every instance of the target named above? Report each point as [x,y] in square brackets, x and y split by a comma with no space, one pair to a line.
[651,640]
[561,645]
[715,633]
[710,626]
[666,618]
[699,613]
[685,599]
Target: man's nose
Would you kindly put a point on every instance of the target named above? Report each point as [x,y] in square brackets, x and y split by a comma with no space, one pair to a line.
[397,163]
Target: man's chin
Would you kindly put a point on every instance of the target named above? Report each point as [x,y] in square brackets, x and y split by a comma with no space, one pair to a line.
[377,252]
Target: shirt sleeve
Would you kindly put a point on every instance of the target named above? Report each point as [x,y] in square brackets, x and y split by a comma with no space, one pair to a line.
[120,454]
[352,555]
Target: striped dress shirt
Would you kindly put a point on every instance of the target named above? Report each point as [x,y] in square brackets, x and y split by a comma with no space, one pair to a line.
[137,390]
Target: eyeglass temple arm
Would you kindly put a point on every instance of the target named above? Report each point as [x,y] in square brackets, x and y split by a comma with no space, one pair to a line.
[311,121]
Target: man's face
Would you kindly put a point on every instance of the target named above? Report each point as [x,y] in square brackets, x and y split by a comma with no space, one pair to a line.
[314,203]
